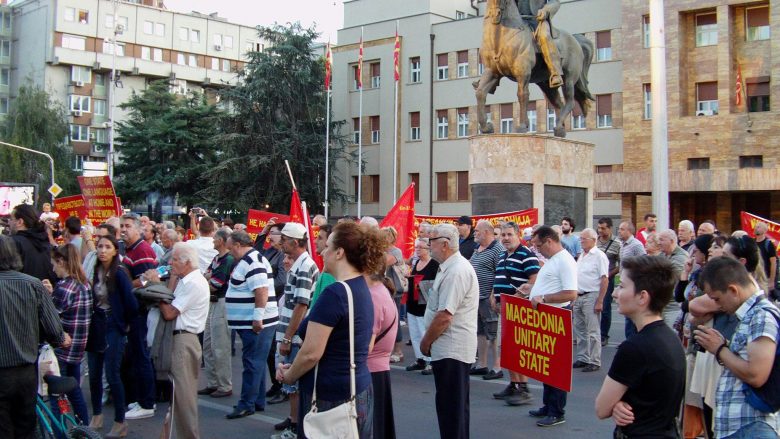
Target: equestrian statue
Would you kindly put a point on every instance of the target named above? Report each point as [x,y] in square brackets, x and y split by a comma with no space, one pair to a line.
[520,43]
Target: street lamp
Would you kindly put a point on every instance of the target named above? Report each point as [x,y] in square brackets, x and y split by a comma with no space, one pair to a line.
[51,160]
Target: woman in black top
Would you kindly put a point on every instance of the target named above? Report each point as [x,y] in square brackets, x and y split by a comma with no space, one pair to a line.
[424,269]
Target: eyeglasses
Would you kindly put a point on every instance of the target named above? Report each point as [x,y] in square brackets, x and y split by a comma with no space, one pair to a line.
[438,237]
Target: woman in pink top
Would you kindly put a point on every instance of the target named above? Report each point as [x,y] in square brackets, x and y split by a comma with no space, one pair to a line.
[382,341]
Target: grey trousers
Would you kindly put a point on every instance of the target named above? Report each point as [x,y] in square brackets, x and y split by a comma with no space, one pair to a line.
[216,348]
[185,365]
[587,328]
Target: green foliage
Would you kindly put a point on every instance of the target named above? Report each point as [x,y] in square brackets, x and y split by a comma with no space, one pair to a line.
[37,122]
[165,144]
[277,113]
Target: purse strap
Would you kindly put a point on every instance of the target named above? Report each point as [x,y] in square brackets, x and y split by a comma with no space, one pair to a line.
[350,307]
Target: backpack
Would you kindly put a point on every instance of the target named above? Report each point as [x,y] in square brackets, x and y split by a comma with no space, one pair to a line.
[766,398]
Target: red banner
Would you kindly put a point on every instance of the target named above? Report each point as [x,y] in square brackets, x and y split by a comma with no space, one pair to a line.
[70,206]
[99,198]
[749,221]
[296,211]
[537,342]
[401,218]
[257,219]
[523,218]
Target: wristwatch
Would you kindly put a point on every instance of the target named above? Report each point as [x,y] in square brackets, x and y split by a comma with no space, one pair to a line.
[286,341]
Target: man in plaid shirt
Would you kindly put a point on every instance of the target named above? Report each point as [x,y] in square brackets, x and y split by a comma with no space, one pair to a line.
[749,356]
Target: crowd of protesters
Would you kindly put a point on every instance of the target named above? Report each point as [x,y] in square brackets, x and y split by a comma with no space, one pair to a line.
[145,305]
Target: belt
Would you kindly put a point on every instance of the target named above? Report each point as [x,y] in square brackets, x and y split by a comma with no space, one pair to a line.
[582,293]
[183,331]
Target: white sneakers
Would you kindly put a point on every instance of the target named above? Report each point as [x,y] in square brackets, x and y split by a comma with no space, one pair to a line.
[135,411]
[288,433]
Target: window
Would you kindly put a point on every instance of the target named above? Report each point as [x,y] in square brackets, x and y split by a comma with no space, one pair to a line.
[159,29]
[463,122]
[184,34]
[604,111]
[7,22]
[603,169]
[100,136]
[217,38]
[369,189]
[374,120]
[646,31]
[146,53]
[442,124]
[481,66]
[80,103]
[5,77]
[214,63]
[225,65]
[414,125]
[356,130]
[648,101]
[70,14]
[122,21]
[228,41]
[356,77]
[415,178]
[442,67]
[414,70]
[78,162]
[179,87]
[79,133]
[577,118]
[758,94]
[375,78]
[531,111]
[253,46]
[698,163]
[550,119]
[757,20]
[71,42]
[100,107]
[460,15]
[148,27]
[507,119]
[751,161]
[108,48]
[459,191]
[3,105]
[463,64]
[180,60]
[706,98]
[83,16]
[706,29]
[100,80]
[81,74]
[603,46]
[463,185]
[157,55]
[195,36]
[192,61]
[5,48]
[441,186]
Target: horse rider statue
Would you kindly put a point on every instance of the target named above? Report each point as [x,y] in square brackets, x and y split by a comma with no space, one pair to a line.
[538,15]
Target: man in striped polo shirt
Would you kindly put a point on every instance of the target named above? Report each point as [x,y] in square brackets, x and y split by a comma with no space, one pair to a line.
[251,310]
[293,308]
[516,266]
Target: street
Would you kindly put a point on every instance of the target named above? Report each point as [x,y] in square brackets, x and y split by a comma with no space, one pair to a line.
[414,407]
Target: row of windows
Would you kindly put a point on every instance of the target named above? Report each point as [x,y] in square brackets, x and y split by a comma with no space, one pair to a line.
[83,104]
[756,93]
[83,133]
[756,21]
[78,160]
[745,162]
[76,42]
[450,186]
[5,21]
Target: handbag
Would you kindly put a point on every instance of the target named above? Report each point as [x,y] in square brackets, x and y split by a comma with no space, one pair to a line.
[339,422]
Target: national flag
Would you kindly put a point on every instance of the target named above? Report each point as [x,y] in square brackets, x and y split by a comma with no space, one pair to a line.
[328,66]
[396,56]
[296,213]
[401,217]
[738,86]
[312,231]
[359,78]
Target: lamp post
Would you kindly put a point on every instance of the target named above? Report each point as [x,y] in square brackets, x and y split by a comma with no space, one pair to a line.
[660,164]
[51,160]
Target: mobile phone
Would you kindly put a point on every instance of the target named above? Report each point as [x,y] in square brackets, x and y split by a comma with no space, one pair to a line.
[163,270]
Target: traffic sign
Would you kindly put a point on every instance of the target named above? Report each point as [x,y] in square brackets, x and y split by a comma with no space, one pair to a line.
[55,190]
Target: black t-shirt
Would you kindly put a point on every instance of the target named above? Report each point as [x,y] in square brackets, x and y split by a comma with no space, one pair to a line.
[652,365]
[767,249]
[428,273]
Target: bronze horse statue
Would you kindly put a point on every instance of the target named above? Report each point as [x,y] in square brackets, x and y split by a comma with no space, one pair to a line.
[509,50]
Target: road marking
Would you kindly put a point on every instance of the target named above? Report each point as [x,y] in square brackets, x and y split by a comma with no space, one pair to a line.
[478,379]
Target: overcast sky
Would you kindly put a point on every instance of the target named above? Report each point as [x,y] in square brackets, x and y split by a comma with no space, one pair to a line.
[327,14]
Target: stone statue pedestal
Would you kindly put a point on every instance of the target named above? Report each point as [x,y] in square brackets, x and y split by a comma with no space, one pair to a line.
[519,171]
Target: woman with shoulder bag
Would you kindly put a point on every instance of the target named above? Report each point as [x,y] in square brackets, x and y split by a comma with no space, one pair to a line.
[331,343]
[397,271]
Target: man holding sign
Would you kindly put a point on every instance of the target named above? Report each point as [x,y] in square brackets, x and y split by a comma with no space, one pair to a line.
[555,285]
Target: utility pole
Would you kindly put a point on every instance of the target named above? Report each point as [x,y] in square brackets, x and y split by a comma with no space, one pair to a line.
[660,143]
[51,160]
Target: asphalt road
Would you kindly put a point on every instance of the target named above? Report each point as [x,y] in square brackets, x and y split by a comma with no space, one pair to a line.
[415,412]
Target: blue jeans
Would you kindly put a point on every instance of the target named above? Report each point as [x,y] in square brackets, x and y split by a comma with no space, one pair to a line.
[75,396]
[606,312]
[754,430]
[253,356]
[141,364]
[286,359]
[554,401]
[111,360]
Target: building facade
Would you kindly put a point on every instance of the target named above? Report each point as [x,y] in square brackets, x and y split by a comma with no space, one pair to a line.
[439,60]
[67,47]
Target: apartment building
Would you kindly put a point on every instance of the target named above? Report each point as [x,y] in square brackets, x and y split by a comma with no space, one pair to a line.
[439,56]
[69,48]
[5,56]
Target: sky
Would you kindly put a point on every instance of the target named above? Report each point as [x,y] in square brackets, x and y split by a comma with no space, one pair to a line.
[327,14]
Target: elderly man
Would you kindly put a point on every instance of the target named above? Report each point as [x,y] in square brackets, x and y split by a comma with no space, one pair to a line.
[216,338]
[629,246]
[169,238]
[190,308]
[27,316]
[450,340]
[592,282]
[768,252]
[686,234]
[667,240]
[556,285]
[707,227]
[611,247]
[252,311]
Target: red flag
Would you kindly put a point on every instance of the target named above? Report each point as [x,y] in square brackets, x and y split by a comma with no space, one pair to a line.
[359,78]
[312,231]
[296,213]
[401,217]
[396,55]
[328,66]
[738,86]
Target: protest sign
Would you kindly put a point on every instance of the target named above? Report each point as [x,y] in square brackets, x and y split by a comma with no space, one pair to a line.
[257,219]
[70,206]
[749,221]
[99,198]
[523,218]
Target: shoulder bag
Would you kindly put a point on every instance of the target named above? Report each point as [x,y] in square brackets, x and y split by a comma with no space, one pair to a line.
[339,422]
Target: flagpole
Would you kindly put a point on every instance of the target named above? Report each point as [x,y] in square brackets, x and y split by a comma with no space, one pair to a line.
[289,172]
[395,120]
[327,148]
[306,224]
[360,130]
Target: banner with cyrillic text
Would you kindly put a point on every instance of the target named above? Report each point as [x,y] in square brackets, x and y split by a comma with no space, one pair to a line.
[71,206]
[523,218]
[536,342]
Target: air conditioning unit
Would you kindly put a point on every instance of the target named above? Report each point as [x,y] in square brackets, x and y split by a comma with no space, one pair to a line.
[120,29]
[136,71]
[96,66]
[77,113]
[79,83]
[218,47]
[92,136]
[705,113]
[55,60]
[99,148]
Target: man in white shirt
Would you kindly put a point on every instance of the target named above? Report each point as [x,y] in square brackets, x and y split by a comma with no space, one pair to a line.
[190,308]
[555,285]
[204,243]
[592,282]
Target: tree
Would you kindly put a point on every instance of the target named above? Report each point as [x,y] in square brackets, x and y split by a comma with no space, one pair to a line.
[164,144]
[277,114]
[37,122]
